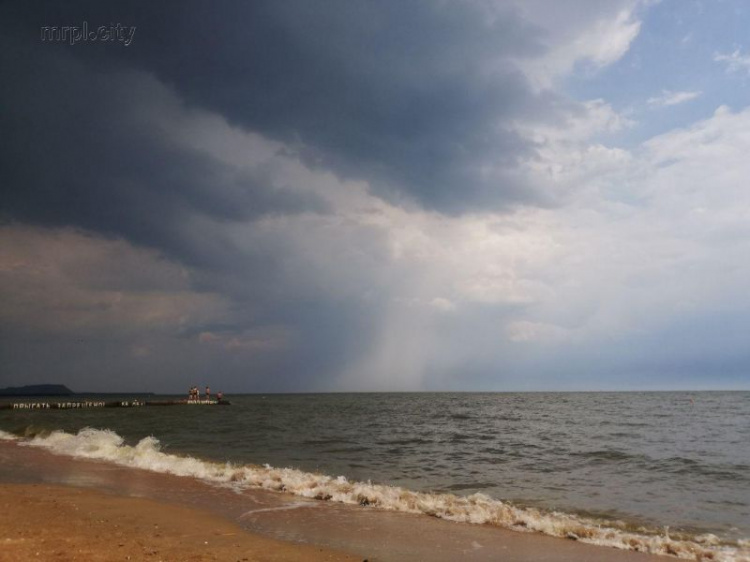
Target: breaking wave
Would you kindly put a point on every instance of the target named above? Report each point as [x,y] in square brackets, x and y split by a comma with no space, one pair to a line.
[477,508]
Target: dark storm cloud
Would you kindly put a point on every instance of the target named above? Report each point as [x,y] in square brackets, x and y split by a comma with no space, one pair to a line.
[416,97]
[76,151]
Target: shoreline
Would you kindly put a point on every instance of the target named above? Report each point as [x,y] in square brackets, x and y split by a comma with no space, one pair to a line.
[277,520]
[46,522]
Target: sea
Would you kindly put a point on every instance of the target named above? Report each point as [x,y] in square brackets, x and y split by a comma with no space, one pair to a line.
[660,472]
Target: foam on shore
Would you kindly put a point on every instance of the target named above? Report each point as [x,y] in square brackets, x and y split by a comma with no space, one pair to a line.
[5,436]
[478,508]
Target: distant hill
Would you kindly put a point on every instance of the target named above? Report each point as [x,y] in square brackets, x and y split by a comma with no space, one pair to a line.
[37,390]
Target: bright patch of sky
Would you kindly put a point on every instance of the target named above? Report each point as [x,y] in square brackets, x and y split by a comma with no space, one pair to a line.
[686,62]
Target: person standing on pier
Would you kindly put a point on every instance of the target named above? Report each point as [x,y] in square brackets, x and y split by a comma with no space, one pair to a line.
[208,393]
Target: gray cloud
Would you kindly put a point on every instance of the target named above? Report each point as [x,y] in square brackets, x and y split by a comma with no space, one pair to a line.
[79,149]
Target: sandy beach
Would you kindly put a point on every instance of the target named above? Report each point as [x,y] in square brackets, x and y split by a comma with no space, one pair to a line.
[61,523]
[41,522]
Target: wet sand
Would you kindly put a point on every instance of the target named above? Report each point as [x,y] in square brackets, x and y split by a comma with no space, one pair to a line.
[42,522]
[87,509]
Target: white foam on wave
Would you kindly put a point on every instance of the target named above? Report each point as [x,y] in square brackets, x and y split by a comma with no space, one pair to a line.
[5,436]
[478,508]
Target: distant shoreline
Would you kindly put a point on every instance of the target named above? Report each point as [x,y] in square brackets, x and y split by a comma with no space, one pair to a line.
[37,390]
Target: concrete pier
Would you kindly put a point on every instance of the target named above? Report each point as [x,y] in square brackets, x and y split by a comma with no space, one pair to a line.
[87,404]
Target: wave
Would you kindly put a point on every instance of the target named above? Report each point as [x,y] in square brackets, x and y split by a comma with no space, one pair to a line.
[408,441]
[682,465]
[612,455]
[106,445]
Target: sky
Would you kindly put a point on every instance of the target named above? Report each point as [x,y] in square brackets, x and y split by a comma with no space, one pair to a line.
[375,195]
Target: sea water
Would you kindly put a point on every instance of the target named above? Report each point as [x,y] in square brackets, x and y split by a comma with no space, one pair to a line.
[663,472]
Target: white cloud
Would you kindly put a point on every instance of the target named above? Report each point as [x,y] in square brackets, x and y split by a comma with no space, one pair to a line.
[597,33]
[668,98]
[735,61]
[629,266]
[577,125]
[568,160]
[608,41]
